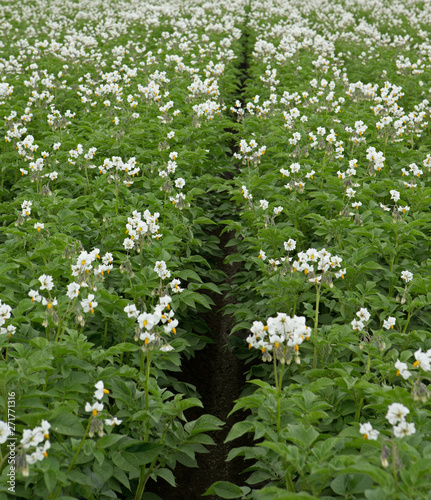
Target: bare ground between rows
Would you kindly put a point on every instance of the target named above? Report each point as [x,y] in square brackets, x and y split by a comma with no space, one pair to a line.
[219,377]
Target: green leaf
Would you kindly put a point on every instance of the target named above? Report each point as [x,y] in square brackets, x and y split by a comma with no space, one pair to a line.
[274,493]
[68,424]
[50,479]
[109,440]
[77,476]
[203,220]
[167,475]
[302,436]
[239,429]
[224,489]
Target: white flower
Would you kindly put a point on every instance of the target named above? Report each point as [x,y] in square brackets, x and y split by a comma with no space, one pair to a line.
[264,204]
[131,311]
[180,183]
[5,313]
[46,282]
[422,360]
[406,276]
[39,226]
[44,428]
[166,348]
[35,296]
[357,325]
[148,321]
[39,454]
[101,391]
[31,438]
[94,408]
[295,167]
[402,370]
[290,245]
[4,432]
[396,413]
[368,432]
[340,273]
[165,301]
[89,303]
[107,258]
[9,330]
[49,303]
[404,429]
[73,290]
[363,314]
[395,195]
[112,421]
[128,243]
[389,323]
[26,208]
[175,286]
[147,337]
[161,269]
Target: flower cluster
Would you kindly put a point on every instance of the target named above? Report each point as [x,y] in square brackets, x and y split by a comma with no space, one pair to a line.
[46,283]
[359,324]
[96,425]
[319,265]
[282,335]
[5,314]
[84,269]
[396,416]
[32,439]
[128,169]
[250,152]
[295,173]
[151,326]
[140,227]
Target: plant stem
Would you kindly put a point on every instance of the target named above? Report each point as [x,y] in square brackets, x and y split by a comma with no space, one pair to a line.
[289,483]
[279,399]
[105,334]
[86,175]
[409,315]
[316,323]
[147,390]
[394,463]
[275,373]
[361,402]
[143,478]
[147,379]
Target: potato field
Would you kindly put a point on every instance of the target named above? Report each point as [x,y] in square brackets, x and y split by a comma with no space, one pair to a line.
[215,237]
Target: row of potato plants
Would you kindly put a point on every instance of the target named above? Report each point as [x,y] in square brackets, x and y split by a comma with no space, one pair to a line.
[333,242]
[113,130]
